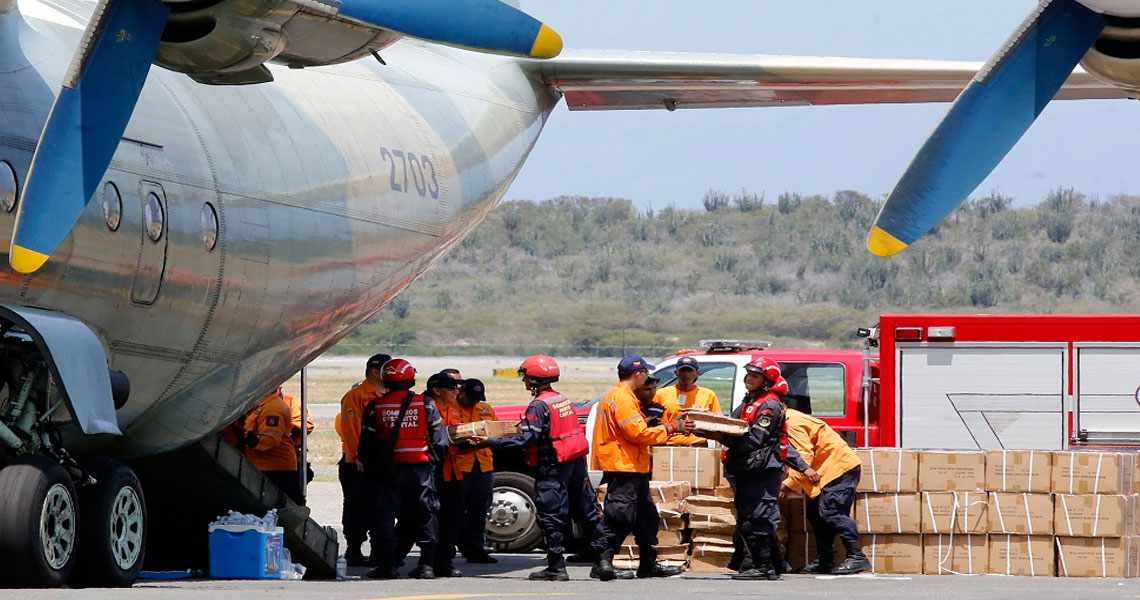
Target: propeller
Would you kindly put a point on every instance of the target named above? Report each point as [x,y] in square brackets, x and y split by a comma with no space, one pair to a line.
[986,120]
[106,76]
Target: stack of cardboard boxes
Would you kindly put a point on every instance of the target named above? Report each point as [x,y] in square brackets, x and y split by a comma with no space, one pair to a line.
[998,511]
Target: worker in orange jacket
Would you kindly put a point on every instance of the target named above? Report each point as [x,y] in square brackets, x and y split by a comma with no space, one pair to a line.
[621,451]
[295,435]
[355,510]
[265,443]
[685,395]
[829,500]
[466,481]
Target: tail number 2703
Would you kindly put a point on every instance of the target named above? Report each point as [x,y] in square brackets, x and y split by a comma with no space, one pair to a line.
[420,168]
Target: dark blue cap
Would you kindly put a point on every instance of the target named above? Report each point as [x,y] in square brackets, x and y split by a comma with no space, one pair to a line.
[687,362]
[475,390]
[634,362]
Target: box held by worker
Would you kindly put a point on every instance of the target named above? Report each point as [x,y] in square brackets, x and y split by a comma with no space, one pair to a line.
[707,423]
[490,429]
[699,466]
[888,470]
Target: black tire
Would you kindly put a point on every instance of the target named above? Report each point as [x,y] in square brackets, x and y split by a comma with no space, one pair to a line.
[39,523]
[512,524]
[112,544]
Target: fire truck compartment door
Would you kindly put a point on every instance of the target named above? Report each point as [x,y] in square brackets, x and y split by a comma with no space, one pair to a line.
[982,397]
[1107,390]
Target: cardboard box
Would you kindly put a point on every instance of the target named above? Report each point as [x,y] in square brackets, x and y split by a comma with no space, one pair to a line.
[669,494]
[1093,473]
[699,466]
[1098,557]
[672,552]
[709,558]
[720,522]
[888,470]
[1031,555]
[1094,516]
[723,492]
[951,471]
[888,513]
[801,550]
[955,512]
[894,553]
[955,554]
[793,511]
[671,520]
[1019,471]
[1021,514]
[667,537]
[708,505]
[600,492]
[491,429]
[706,423]
[716,538]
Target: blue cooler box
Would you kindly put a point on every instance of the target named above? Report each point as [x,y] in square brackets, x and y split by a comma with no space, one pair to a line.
[245,552]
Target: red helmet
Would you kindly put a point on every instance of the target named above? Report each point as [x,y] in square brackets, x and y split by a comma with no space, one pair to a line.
[766,367]
[397,369]
[780,387]
[540,366]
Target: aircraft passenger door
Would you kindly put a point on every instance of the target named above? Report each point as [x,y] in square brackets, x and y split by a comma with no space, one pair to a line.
[152,244]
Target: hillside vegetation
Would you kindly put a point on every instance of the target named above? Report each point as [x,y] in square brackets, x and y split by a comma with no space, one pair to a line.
[576,276]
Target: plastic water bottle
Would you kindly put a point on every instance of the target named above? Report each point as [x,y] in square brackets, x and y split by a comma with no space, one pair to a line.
[341,567]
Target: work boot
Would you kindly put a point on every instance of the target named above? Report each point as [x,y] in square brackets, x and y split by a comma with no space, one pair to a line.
[761,557]
[817,567]
[855,563]
[355,558]
[481,558]
[656,569]
[776,555]
[422,571]
[555,570]
[604,567]
[384,572]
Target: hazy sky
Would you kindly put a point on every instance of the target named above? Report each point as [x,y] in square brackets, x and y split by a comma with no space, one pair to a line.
[659,157]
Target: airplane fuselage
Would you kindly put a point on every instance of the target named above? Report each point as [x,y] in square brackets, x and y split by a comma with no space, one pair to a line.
[333,188]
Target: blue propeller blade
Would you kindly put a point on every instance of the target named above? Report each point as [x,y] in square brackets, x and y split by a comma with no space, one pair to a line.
[85,124]
[484,25]
[986,120]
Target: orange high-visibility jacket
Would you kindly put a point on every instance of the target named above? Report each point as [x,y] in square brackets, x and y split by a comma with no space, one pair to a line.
[270,421]
[461,457]
[621,437]
[674,402]
[822,448]
[348,421]
[294,405]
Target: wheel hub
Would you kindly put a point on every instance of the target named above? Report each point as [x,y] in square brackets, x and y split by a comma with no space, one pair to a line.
[126,528]
[512,513]
[58,526]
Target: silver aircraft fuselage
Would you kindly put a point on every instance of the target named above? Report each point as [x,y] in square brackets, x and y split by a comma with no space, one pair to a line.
[334,188]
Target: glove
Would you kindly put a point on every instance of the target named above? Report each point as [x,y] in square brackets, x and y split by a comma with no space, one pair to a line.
[653,414]
[250,440]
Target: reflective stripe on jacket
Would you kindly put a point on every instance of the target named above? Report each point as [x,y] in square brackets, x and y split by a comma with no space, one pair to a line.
[621,437]
[412,436]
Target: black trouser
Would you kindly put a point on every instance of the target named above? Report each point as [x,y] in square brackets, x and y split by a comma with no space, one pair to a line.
[630,508]
[409,494]
[563,492]
[289,482]
[463,506]
[757,507]
[356,508]
[830,515]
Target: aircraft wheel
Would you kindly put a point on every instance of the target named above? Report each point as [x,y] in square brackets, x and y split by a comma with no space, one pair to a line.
[512,522]
[39,523]
[113,541]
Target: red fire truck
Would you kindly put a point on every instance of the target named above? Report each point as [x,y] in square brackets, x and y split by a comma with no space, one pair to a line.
[924,381]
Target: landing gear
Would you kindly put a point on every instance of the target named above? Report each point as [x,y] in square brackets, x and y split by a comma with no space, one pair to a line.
[112,542]
[39,523]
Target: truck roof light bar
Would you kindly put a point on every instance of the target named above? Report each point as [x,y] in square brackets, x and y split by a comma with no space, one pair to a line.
[734,345]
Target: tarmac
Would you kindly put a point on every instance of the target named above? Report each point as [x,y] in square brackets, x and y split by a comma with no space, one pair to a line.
[508,579]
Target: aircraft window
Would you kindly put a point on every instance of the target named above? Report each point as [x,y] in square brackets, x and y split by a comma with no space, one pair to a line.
[112,206]
[209,221]
[153,217]
[7,186]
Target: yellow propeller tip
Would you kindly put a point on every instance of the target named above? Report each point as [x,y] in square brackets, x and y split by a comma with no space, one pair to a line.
[26,261]
[547,44]
[881,243]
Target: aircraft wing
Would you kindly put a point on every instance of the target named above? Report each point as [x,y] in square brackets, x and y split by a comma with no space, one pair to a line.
[593,80]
